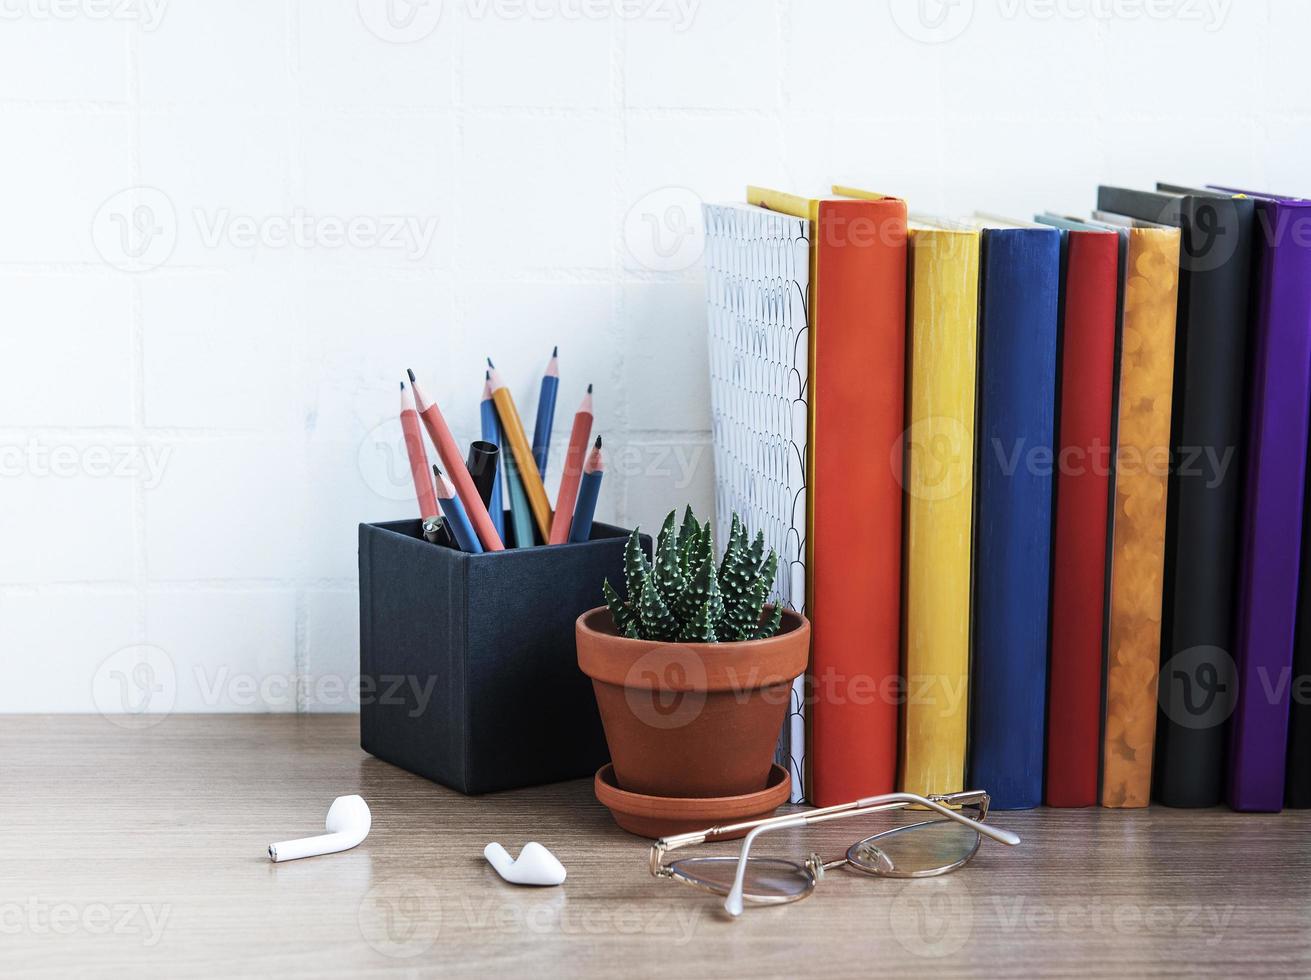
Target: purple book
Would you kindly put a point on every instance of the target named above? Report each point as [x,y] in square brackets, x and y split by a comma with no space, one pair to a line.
[1272,517]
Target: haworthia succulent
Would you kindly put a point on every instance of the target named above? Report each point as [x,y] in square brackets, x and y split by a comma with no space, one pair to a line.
[770,626]
[680,594]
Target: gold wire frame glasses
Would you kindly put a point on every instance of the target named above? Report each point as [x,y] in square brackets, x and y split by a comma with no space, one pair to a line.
[943,842]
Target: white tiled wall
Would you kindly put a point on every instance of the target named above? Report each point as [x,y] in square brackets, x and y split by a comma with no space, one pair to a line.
[196,412]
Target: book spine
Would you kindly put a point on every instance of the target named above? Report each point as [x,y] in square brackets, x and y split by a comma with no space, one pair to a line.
[857,368]
[1276,469]
[1133,638]
[942,311]
[1017,368]
[1197,682]
[1088,327]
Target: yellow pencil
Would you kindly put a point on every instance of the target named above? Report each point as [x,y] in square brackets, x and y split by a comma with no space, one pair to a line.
[523,453]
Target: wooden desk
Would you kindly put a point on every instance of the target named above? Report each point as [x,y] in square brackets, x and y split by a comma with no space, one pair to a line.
[143,853]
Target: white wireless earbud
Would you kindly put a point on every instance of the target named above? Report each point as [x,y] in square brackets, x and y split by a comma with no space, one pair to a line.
[534,866]
[348,824]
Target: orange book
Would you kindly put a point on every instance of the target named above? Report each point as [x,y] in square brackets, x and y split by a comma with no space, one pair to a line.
[857,307]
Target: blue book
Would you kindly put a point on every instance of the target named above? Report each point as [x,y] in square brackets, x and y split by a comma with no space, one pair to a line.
[1019,283]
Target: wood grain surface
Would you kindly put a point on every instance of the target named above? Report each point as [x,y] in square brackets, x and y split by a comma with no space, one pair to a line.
[142,852]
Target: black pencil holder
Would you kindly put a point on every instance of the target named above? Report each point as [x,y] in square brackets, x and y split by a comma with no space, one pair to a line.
[468,666]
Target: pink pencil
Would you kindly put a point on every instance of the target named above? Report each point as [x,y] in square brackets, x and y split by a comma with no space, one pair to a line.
[418,456]
[453,463]
[573,471]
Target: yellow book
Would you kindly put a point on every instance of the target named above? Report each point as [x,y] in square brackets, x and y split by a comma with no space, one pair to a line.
[942,312]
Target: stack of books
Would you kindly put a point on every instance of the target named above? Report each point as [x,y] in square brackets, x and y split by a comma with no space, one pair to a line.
[1041,488]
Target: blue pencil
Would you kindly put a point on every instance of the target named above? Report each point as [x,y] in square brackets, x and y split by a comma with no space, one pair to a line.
[546,411]
[492,434]
[456,516]
[588,490]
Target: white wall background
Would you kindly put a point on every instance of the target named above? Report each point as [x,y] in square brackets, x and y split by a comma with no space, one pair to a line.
[195,411]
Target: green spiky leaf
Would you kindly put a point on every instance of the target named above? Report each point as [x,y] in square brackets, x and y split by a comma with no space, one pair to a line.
[701,627]
[658,622]
[623,614]
[770,626]
[669,576]
[636,568]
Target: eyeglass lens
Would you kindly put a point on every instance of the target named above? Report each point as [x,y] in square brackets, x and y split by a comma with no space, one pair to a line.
[915,850]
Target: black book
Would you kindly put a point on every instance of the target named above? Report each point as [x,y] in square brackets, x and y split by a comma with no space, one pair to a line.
[1197,682]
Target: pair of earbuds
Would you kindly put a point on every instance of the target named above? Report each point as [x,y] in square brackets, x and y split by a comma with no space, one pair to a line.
[349,822]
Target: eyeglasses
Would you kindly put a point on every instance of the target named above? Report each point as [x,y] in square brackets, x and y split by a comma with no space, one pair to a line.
[942,843]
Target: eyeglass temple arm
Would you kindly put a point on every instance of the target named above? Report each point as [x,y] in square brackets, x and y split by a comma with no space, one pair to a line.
[733,904]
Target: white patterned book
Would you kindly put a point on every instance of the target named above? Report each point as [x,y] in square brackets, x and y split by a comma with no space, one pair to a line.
[757,281]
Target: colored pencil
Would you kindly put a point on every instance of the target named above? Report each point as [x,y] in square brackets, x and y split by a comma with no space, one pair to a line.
[453,460]
[546,412]
[587,494]
[512,426]
[492,433]
[418,456]
[521,515]
[573,470]
[456,517]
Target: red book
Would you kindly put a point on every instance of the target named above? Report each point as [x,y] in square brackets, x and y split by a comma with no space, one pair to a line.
[1090,282]
[857,304]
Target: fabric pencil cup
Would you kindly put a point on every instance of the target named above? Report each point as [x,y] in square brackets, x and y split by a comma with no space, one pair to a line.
[491,427]
[456,516]
[546,412]
[589,489]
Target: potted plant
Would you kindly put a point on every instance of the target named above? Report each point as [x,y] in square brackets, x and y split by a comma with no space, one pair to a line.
[693,668]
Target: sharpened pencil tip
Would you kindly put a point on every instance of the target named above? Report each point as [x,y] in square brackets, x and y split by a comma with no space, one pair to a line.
[402,386]
[598,442]
[411,374]
[489,363]
[589,389]
[436,469]
[555,351]
[487,375]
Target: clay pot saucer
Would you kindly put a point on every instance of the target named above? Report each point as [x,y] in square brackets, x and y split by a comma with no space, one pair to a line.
[661,816]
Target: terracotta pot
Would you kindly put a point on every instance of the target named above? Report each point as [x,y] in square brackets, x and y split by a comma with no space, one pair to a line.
[664,816]
[691,719]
